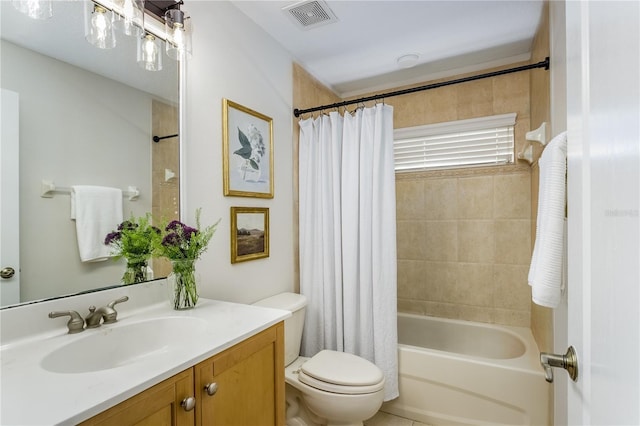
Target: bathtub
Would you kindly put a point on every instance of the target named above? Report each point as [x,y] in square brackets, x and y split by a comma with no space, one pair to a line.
[465,373]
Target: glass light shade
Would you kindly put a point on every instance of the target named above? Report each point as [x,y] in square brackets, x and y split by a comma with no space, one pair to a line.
[99,27]
[129,17]
[149,53]
[178,32]
[36,9]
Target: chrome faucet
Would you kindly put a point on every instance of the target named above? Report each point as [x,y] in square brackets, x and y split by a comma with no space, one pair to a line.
[75,324]
[107,314]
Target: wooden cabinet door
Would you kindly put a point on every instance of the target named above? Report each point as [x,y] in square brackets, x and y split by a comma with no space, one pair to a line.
[157,406]
[250,383]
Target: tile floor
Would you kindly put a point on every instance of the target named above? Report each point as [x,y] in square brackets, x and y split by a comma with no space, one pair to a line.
[384,419]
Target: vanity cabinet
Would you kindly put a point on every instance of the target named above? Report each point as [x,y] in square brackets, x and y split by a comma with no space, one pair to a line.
[241,386]
[244,385]
[159,405]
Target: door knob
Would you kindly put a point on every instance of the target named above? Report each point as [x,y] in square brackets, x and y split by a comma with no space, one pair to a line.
[568,361]
[7,272]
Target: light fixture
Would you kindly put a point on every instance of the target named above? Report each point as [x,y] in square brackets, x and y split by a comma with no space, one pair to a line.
[178,32]
[99,27]
[129,17]
[36,9]
[409,60]
[149,53]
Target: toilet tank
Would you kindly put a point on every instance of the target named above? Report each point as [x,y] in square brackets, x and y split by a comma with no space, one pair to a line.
[296,304]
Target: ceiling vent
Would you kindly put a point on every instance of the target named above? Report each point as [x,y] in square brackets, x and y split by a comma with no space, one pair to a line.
[308,14]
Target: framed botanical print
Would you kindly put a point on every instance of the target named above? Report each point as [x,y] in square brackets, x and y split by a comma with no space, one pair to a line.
[249,233]
[247,145]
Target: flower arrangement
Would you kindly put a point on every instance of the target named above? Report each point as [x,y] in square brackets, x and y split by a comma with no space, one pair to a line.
[135,240]
[183,245]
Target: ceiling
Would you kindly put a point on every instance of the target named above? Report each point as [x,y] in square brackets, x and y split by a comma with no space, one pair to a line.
[358,53]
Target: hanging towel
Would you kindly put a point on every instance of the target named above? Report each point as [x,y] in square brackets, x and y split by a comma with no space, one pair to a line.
[97,211]
[546,271]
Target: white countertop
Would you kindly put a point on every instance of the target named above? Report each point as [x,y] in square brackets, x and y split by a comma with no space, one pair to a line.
[32,395]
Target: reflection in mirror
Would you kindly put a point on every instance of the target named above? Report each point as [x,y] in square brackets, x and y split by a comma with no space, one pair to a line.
[87,116]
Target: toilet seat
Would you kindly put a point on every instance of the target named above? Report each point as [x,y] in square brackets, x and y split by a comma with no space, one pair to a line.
[340,372]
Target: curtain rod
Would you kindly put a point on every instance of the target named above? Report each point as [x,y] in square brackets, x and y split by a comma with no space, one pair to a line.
[542,64]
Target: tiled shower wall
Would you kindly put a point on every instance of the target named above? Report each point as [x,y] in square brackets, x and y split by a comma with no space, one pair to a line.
[464,244]
[464,235]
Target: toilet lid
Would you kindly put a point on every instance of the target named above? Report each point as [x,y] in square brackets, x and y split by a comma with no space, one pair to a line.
[340,372]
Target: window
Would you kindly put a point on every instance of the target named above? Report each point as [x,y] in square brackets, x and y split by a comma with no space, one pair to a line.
[462,143]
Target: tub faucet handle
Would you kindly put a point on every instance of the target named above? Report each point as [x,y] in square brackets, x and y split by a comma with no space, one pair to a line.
[568,361]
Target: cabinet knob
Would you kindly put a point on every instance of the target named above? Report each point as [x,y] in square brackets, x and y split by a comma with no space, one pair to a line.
[188,403]
[211,388]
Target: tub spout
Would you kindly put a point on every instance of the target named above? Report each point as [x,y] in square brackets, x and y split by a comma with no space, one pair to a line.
[568,361]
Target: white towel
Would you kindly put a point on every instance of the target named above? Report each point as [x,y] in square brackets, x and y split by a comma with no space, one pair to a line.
[97,211]
[546,271]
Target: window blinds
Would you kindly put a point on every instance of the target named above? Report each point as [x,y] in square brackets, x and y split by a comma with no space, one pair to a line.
[463,143]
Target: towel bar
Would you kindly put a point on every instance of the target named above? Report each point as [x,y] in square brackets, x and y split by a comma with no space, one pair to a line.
[48,188]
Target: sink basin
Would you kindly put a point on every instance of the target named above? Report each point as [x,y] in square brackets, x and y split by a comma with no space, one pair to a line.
[121,344]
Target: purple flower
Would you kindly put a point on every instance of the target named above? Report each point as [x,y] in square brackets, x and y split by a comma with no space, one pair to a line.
[171,239]
[174,225]
[188,232]
[127,226]
[111,237]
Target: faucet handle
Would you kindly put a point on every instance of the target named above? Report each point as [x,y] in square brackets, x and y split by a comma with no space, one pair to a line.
[113,303]
[111,315]
[75,324]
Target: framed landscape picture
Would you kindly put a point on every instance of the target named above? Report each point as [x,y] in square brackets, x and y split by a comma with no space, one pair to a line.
[249,233]
[247,151]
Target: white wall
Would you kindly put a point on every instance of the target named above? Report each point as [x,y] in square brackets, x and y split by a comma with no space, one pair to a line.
[67,134]
[234,59]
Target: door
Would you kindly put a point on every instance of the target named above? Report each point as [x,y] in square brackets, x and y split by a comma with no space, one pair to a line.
[603,124]
[9,201]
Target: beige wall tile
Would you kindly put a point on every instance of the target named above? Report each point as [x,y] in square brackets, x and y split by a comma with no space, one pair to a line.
[411,279]
[474,285]
[510,317]
[475,197]
[438,279]
[440,240]
[476,240]
[476,313]
[511,288]
[440,199]
[513,242]
[512,196]
[511,94]
[410,236]
[441,104]
[412,306]
[410,195]
[475,99]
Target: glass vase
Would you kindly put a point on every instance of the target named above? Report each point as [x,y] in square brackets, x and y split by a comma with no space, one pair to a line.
[183,284]
[136,272]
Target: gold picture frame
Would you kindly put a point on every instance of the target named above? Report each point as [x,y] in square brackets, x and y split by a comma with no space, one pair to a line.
[247,158]
[249,233]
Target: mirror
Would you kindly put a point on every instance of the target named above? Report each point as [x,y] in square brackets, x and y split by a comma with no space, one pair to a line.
[87,116]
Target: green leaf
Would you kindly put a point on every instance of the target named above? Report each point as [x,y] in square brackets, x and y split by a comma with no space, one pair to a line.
[244,141]
[253,164]
[244,152]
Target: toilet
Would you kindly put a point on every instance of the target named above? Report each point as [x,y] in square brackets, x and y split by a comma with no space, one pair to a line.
[331,388]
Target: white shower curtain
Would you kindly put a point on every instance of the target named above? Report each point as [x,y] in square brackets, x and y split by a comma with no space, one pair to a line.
[348,237]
